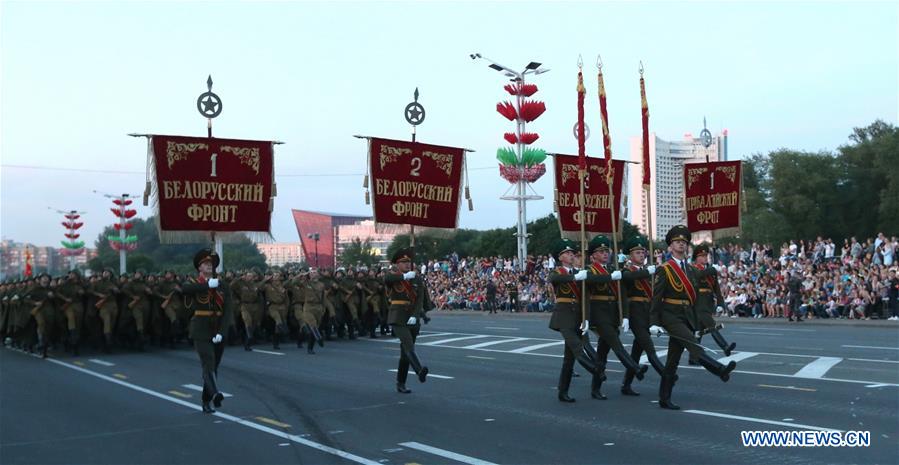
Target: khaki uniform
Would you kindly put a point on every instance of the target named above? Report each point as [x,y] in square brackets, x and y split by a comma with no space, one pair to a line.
[105,290]
[137,295]
[277,297]
[247,293]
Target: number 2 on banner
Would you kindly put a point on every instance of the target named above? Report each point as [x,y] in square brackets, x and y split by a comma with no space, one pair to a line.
[212,158]
[416,166]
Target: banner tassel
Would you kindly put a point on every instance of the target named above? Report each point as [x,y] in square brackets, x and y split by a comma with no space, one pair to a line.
[271,204]
[367,199]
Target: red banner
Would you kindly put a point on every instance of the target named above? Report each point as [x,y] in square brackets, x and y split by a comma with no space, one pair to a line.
[712,196]
[645,123]
[415,184]
[210,184]
[596,193]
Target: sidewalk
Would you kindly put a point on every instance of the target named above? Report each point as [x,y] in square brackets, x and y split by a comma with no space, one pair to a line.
[768,321]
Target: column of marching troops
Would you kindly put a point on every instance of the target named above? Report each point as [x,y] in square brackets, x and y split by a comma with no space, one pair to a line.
[676,297]
[129,311]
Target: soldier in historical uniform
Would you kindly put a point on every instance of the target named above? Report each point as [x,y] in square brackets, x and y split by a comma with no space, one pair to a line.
[277,297]
[41,305]
[346,291]
[372,288]
[603,292]
[71,296]
[250,304]
[137,300]
[637,284]
[333,315]
[409,301]
[709,298]
[673,307]
[106,290]
[383,305]
[4,312]
[210,302]
[313,311]
[172,306]
[566,317]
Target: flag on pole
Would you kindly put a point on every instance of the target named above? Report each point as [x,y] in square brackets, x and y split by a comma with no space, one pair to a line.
[29,270]
[606,138]
[645,107]
[581,133]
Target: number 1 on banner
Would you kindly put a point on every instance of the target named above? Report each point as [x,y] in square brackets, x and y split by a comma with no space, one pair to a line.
[415,166]
[212,158]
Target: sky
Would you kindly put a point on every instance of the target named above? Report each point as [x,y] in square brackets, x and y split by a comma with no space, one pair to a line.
[76,77]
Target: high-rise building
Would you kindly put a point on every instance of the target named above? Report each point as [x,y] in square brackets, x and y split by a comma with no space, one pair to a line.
[363,231]
[281,253]
[667,159]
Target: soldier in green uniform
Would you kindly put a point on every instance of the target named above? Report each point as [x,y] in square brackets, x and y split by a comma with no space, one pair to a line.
[71,294]
[709,293]
[137,295]
[106,290]
[250,304]
[41,304]
[566,317]
[673,307]
[409,301]
[603,291]
[210,302]
[20,316]
[372,288]
[172,306]
[347,292]
[313,311]
[278,299]
[636,279]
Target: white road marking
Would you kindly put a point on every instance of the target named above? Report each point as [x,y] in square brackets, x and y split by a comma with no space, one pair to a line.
[292,437]
[737,357]
[430,375]
[760,420]
[101,362]
[766,328]
[758,334]
[481,358]
[524,350]
[818,368]
[194,387]
[445,453]
[267,351]
[432,335]
[493,343]
[453,339]
[659,353]
[500,327]
[873,347]
[878,385]
[870,360]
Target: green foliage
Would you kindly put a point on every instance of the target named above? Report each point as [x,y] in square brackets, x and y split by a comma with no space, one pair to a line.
[153,256]
[359,253]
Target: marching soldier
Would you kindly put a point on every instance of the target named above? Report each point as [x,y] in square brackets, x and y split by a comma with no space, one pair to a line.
[408,299]
[138,295]
[172,306]
[347,287]
[673,307]
[106,290]
[332,304]
[566,317]
[71,293]
[41,306]
[248,297]
[278,299]
[603,294]
[313,311]
[372,288]
[210,302]
[709,294]
[637,295]
[4,312]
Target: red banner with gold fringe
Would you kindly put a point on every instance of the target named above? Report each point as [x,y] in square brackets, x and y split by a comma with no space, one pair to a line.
[712,197]
[596,192]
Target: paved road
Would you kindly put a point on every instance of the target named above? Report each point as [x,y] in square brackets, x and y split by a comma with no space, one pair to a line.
[491,399]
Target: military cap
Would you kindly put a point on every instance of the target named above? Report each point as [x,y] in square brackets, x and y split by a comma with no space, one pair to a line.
[598,243]
[637,242]
[407,254]
[206,255]
[562,246]
[678,233]
[701,249]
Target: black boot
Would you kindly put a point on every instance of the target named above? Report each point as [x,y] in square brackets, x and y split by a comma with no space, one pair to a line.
[587,361]
[318,336]
[276,341]
[248,339]
[351,330]
[304,333]
[719,339]
[655,362]
[207,408]
[107,343]
[402,373]
[140,341]
[73,341]
[43,345]
[209,381]
[421,371]
[596,386]
[665,393]
[626,385]
[310,343]
[631,364]
[564,384]
[716,368]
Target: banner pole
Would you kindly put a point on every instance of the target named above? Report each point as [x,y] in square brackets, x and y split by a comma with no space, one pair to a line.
[614,238]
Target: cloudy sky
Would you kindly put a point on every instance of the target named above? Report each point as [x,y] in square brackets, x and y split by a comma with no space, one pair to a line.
[77,77]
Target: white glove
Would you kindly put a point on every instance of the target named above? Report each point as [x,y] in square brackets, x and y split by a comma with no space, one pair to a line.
[622,258]
[409,275]
[585,326]
[651,269]
[718,268]
[657,330]
[217,338]
[580,275]
[720,309]
[213,283]
[616,275]
[412,321]
[625,325]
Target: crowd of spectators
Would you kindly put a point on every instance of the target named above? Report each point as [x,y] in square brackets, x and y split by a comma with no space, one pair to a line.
[799,280]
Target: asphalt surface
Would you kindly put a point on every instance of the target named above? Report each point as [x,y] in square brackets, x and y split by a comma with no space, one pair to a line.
[491,399]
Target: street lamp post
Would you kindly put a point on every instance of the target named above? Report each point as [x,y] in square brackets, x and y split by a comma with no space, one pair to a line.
[315,237]
[521,196]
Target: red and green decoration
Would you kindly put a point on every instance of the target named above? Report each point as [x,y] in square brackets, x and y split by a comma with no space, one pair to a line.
[124,241]
[72,246]
[521,161]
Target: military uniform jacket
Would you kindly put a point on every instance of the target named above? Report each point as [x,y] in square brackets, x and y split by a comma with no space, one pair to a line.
[637,285]
[296,289]
[71,291]
[372,287]
[602,292]
[674,294]
[314,294]
[247,292]
[107,288]
[171,297]
[276,295]
[138,294]
[708,291]
[38,300]
[567,311]
[212,309]
[406,298]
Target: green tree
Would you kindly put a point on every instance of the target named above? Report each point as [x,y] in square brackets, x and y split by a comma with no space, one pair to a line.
[359,253]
